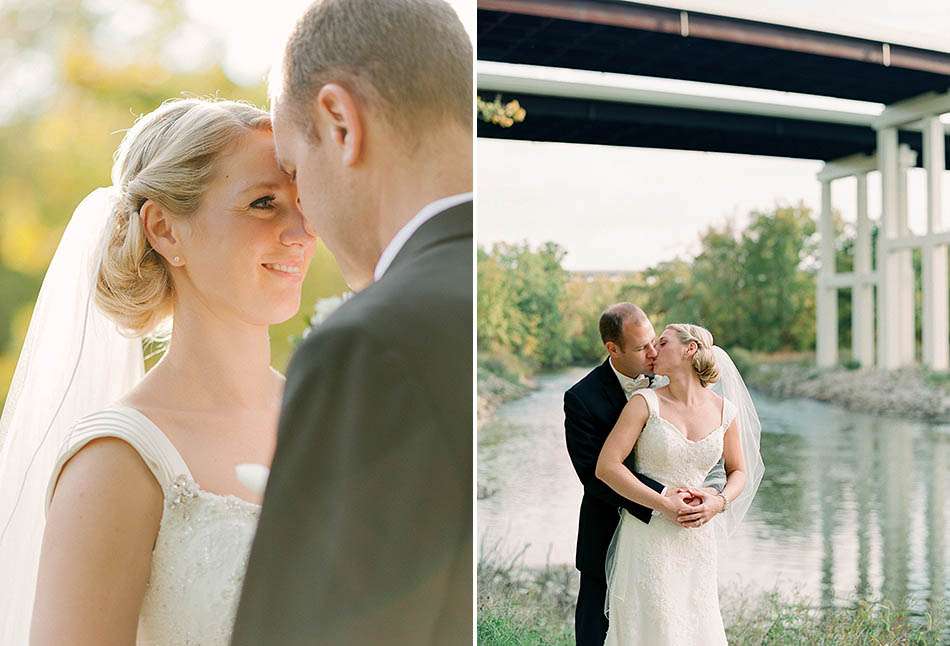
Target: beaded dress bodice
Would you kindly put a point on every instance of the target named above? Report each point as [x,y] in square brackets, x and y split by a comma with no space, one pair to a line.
[203,543]
[662,587]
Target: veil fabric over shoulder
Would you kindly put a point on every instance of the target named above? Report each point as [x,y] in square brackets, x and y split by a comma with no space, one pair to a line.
[74,362]
[750,433]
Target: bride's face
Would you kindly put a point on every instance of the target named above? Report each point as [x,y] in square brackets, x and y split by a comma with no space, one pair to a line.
[671,354]
[247,249]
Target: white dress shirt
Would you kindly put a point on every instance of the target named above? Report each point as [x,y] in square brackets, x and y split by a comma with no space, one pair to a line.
[399,240]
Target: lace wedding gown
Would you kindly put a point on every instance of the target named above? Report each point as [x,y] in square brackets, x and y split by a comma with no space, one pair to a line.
[663,584]
[203,543]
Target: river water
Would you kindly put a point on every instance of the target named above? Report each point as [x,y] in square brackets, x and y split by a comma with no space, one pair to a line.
[851,504]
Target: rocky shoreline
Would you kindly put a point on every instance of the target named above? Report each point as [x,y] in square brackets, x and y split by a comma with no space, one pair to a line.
[493,391]
[909,392]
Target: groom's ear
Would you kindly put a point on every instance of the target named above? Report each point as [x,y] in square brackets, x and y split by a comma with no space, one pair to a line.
[341,121]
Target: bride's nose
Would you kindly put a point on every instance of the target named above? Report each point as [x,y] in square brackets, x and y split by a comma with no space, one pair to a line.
[297,230]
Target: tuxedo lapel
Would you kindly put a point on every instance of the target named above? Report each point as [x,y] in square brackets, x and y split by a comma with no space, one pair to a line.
[612,387]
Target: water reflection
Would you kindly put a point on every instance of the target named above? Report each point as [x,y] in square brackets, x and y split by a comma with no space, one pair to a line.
[851,506]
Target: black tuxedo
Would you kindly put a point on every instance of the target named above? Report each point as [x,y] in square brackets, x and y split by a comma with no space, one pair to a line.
[365,536]
[591,408]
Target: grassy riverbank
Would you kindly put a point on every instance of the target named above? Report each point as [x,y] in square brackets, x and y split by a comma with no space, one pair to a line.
[501,378]
[520,606]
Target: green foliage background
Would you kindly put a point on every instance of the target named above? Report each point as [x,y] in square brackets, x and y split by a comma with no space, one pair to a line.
[55,152]
[753,288]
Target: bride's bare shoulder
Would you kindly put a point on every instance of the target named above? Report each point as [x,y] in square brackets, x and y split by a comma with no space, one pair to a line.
[101,527]
[107,471]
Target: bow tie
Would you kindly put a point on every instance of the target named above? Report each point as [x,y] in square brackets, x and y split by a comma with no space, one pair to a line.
[632,385]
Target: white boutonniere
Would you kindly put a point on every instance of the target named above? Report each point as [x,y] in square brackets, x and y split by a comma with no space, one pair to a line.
[324,307]
[253,477]
[322,310]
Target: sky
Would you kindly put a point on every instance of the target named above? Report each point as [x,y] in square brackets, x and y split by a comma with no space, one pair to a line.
[616,208]
[253,36]
[246,36]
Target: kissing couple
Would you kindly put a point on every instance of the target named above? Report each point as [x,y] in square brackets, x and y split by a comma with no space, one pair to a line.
[669,469]
[123,519]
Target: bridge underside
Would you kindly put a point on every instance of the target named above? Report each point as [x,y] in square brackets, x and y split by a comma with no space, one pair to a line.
[629,38]
[587,121]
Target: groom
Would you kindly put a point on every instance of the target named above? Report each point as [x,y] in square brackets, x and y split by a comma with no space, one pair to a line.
[591,408]
[365,535]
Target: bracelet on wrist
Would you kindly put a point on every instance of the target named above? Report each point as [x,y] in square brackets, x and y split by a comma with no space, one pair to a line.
[725,501]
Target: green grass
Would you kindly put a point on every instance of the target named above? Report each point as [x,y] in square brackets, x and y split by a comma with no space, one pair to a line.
[520,606]
[774,619]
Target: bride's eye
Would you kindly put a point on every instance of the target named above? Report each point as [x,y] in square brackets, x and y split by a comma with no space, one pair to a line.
[266,202]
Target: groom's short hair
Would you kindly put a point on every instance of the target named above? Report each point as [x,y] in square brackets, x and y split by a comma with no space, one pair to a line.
[410,59]
[613,318]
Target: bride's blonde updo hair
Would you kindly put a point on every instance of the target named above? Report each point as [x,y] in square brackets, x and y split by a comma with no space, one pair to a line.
[169,156]
[704,361]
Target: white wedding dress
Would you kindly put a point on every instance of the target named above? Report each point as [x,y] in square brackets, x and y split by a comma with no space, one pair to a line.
[663,585]
[203,543]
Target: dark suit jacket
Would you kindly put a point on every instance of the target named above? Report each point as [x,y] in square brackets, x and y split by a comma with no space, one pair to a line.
[365,535]
[591,408]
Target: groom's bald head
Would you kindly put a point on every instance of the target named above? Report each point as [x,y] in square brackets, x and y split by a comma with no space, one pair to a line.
[410,61]
[615,317]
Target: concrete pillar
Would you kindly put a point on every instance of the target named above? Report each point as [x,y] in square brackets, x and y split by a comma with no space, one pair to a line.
[935,313]
[826,298]
[905,260]
[888,332]
[862,301]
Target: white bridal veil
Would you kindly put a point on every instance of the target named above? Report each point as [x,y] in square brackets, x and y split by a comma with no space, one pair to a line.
[750,432]
[74,362]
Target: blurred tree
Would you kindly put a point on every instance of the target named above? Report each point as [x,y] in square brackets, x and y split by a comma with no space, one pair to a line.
[520,301]
[586,299]
[753,288]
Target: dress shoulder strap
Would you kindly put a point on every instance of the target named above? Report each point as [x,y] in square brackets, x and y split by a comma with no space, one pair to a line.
[653,403]
[131,426]
[729,412]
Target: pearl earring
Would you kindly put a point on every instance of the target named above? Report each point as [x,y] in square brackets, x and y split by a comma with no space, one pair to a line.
[176,259]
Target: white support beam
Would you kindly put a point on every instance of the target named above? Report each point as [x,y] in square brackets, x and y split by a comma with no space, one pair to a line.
[912,110]
[848,280]
[919,242]
[862,296]
[525,83]
[888,332]
[847,167]
[936,351]
[826,342]
[906,283]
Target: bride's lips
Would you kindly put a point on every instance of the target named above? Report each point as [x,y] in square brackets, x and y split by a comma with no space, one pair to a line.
[290,270]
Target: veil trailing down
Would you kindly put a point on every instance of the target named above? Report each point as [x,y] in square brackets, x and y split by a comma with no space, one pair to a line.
[750,432]
[74,362]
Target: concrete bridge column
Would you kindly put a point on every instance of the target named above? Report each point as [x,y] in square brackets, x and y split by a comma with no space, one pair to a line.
[889,350]
[934,311]
[826,298]
[862,301]
[905,262]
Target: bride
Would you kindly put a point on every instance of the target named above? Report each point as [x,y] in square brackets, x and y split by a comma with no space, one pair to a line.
[121,517]
[662,575]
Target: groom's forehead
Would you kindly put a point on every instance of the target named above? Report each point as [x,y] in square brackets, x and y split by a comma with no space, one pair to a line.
[639,331]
